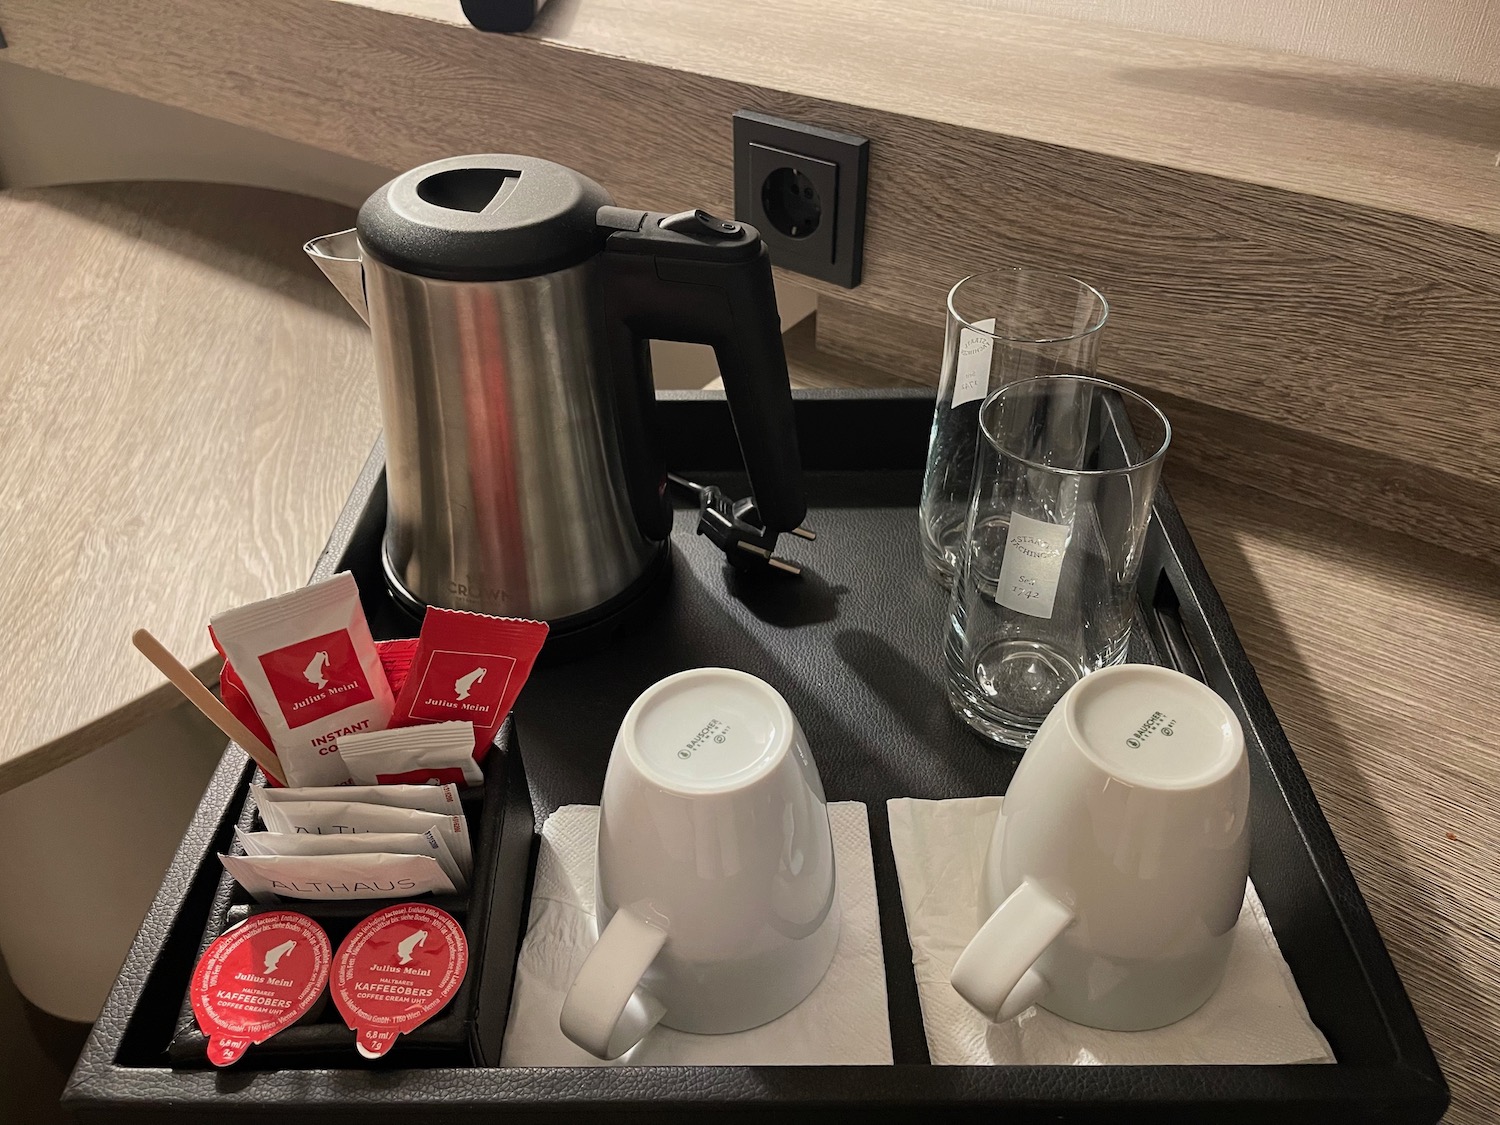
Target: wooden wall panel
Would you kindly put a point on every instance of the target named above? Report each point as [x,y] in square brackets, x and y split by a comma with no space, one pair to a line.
[1329,319]
[1369,328]
[861,347]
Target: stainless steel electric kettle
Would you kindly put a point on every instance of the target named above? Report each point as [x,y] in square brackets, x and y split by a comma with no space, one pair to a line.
[511,305]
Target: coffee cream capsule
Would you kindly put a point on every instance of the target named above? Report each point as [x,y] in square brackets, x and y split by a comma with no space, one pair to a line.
[395,971]
[257,979]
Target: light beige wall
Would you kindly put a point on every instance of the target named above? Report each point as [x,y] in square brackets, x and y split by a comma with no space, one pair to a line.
[1453,40]
[56,131]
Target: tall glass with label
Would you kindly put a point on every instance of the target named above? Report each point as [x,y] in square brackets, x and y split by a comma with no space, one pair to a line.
[1003,325]
[1044,593]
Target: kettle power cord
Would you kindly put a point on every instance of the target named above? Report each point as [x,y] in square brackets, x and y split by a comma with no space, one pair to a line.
[734,527]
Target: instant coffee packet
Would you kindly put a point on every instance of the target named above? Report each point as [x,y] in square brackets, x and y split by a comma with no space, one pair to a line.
[468,666]
[308,663]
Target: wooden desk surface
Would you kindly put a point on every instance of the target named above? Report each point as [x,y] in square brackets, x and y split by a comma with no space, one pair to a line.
[184,405]
[1381,655]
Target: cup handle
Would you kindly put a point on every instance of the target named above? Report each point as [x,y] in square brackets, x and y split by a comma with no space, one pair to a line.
[605,1012]
[994,972]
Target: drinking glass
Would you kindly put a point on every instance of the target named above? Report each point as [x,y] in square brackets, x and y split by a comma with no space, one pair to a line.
[1045,587]
[1004,325]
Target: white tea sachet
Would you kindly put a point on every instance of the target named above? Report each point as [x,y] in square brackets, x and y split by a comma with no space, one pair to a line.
[332,878]
[429,798]
[427,843]
[334,818]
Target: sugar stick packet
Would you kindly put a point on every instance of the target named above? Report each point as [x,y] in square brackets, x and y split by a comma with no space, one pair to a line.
[468,666]
[441,752]
[309,665]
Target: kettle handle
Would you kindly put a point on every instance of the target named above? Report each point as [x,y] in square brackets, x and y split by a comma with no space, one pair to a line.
[700,280]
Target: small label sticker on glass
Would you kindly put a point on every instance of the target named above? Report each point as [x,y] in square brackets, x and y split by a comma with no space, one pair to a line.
[971,378]
[1034,552]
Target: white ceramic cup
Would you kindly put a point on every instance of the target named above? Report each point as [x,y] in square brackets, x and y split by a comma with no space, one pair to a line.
[1117,868]
[714,883]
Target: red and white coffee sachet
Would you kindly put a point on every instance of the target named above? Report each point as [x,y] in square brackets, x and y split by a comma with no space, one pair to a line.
[256,979]
[395,971]
[309,665]
[468,666]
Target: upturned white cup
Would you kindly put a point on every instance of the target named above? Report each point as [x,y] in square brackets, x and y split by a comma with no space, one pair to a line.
[715,892]
[1117,868]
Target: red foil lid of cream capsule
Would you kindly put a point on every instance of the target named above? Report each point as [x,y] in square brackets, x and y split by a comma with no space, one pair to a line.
[257,979]
[395,971]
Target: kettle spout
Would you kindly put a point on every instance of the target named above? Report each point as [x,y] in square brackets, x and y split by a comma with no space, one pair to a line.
[337,255]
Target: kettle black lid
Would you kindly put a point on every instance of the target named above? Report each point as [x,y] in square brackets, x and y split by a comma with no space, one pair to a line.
[484,218]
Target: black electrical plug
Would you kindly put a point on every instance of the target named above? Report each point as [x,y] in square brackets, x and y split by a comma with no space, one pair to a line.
[734,527]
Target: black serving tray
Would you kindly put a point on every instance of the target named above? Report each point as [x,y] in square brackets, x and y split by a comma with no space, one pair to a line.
[854,645]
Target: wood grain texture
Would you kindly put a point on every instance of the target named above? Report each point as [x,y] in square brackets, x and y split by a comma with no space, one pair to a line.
[184,405]
[1380,654]
[1306,125]
[857,346]
[1331,266]
[892,348]
[1371,487]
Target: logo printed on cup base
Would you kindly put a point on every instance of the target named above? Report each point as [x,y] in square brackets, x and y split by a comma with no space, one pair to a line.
[257,979]
[395,971]
[716,729]
[1158,723]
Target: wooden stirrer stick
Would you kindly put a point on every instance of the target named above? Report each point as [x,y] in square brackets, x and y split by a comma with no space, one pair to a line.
[205,700]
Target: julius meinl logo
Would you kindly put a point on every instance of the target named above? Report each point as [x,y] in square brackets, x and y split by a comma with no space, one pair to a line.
[461,689]
[324,693]
[716,729]
[465,683]
[1158,722]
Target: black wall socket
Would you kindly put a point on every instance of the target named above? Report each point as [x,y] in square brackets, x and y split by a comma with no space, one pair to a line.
[803,187]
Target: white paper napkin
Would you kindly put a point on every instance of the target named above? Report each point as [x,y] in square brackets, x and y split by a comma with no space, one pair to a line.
[843,1022]
[1256,1016]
